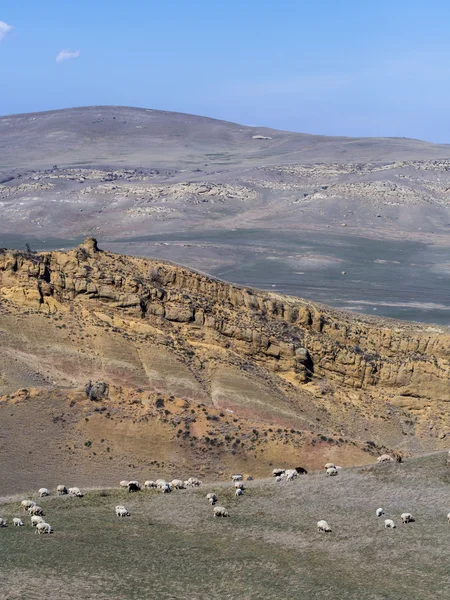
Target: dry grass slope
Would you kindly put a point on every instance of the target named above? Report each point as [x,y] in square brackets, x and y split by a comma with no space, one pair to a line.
[172,547]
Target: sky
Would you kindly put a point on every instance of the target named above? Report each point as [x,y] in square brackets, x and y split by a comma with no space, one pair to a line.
[342,67]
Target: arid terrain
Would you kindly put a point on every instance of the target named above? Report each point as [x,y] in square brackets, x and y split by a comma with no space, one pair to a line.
[199,373]
[361,224]
[134,357]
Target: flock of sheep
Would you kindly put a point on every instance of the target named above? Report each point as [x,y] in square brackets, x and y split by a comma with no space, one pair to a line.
[177,484]
[36,512]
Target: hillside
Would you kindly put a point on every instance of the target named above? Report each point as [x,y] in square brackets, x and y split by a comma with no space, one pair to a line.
[124,136]
[200,372]
[172,547]
[362,224]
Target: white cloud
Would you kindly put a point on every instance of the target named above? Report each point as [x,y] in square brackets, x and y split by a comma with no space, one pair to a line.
[67,55]
[4,29]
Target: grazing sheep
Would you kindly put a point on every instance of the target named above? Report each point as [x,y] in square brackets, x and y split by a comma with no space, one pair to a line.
[193,482]
[149,484]
[177,484]
[380,512]
[448,517]
[277,472]
[74,491]
[123,483]
[3,522]
[43,492]
[384,458]
[291,474]
[389,524]
[212,498]
[220,511]
[239,492]
[133,486]
[17,522]
[26,504]
[44,528]
[166,489]
[35,520]
[329,466]
[239,485]
[331,471]
[237,477]
[121,511]
[160,483]
[406,518]
[36,510]
[323,526]
[61,490]
[301,471]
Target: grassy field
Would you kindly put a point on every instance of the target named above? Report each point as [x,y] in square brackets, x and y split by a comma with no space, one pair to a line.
[172,547]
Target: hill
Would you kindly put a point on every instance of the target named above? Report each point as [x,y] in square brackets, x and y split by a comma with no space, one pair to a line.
[172,547]
[124,136]
[199,372]
[362,224]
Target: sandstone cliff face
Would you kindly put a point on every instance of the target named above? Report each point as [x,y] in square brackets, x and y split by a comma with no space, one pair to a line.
[285,334]
[66,317]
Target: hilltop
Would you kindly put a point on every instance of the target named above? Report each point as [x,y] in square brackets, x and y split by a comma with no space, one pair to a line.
[200,372]
[125,136]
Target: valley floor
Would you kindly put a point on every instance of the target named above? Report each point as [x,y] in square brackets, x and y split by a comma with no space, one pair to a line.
[172,547]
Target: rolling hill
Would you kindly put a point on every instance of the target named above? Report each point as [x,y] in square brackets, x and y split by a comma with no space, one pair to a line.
[124,136]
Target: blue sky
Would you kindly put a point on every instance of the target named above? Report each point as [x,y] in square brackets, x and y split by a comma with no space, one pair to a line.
[343,67]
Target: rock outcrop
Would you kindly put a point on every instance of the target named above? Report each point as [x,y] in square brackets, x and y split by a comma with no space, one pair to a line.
[295,349]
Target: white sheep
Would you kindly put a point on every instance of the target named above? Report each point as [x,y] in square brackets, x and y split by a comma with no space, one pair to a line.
[384,458]
[239,492]
[74,491]
[380,512]
[177,484]
[166,489]
[323,526]
[61,490]
[329,466]
[237,477]
[193,482]
[123,483]
[17,522]
[389,524]
[149,484]
[220,511]
[35,519]
[331,471]
[26,504]
[448,517]
[212,498]
[121,511]
[36,510]
[160,483]
[290,474]
[2,522]
[239,485]
[43,492]
[406,518]
[44,528]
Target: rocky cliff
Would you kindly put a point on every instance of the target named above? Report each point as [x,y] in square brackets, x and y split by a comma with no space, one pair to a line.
[145,324]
